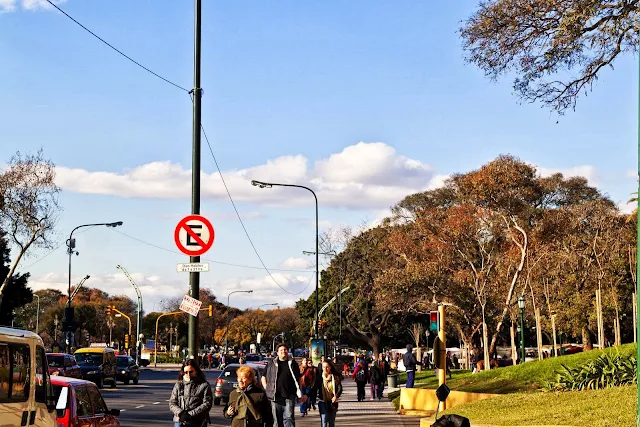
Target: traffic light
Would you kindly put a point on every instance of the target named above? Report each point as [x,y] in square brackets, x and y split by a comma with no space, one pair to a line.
[210,310]
[68,323]
[126,341]
[109,310]
[434,319]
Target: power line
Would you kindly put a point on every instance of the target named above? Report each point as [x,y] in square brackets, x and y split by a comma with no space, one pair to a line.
[240,218]
[209,260]
[115,49]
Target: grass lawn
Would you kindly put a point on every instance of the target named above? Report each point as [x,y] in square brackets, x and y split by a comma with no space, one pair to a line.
[521,385]
[604,408]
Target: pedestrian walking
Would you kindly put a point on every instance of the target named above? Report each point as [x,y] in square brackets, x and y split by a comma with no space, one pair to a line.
[384,368]
[191,398]
[360,376]
[374,379]
[281,383]
[410,364]
[307,381]
[248,405]
[330,389]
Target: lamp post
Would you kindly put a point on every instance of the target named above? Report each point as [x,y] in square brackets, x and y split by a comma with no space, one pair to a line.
[261,184]
[71,244]
[37,312]
[521,306]
[333,253]
[226,342]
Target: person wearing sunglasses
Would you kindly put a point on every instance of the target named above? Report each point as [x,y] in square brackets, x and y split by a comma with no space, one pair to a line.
[191,398]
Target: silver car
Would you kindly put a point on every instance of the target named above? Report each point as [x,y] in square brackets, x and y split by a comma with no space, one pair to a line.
[228,380]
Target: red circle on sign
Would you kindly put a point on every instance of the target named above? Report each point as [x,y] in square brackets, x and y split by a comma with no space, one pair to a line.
[204,246]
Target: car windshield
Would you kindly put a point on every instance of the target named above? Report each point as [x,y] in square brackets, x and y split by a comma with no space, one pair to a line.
[229,372]
[89,358]
[55,361]
[123,361]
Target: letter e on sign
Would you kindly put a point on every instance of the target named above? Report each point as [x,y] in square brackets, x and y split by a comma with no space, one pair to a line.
[194,235]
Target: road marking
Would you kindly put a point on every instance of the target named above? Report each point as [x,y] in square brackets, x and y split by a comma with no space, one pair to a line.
[122,410]
[156,403]
[139,406]
[168,400]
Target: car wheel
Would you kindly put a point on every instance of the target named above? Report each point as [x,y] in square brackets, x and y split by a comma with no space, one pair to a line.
[126,382]
[216,401]
[100,382]
[136,379]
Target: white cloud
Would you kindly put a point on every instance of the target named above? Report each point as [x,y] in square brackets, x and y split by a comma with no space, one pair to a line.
[586,171]
[215,216]
[631,173]
[627,208]
[292,263]
[265,290]
[12,5]
[362,176]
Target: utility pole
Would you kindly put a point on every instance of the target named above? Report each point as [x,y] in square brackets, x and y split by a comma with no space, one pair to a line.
[194,277]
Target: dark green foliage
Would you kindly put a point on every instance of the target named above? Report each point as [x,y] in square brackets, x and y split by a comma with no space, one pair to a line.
[608,370]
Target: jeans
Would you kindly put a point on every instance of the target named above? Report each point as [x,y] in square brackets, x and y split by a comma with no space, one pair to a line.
[380,389]
[410,377]
[374,389]
[327,415]
[361,393]
[283,414]
[304,406]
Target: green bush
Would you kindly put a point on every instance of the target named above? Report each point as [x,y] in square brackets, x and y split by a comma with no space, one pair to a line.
[164,358]
[607,370]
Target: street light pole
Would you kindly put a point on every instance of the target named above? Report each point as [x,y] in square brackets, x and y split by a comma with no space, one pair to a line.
[226,342]
[271,184]
[71,244]
[522,351]
[194,276]
[638,258]
[263,305]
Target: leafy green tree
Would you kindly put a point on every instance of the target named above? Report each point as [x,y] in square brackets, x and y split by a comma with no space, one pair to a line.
[16,292]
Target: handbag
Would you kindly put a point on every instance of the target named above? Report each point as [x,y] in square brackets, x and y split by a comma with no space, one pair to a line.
[334,406]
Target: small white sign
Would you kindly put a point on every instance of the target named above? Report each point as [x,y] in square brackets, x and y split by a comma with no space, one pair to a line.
[258,338]
[193,267]
[190,305]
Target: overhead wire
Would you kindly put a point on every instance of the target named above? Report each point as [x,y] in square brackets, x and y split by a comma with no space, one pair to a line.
[116,49]
[190,92]
[246,232]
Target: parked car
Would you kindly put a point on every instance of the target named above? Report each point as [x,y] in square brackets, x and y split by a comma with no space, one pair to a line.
[97,365]
[64,365]
[228,380]
[79,403]
[128,370]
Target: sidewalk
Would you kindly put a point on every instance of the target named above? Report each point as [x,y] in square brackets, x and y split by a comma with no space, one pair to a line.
[354,413]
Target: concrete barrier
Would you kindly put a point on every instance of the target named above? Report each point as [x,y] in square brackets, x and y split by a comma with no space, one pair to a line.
[423,399]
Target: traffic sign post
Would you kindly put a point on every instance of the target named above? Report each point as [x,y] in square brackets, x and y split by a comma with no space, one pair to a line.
[194,235]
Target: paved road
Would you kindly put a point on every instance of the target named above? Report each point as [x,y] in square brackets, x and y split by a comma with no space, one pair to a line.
[146,404]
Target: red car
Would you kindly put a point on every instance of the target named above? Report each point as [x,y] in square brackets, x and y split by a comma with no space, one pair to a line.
[79,403]
[64,365]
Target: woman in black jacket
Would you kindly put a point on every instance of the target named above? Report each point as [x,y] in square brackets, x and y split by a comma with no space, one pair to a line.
[248,405]
[191,398]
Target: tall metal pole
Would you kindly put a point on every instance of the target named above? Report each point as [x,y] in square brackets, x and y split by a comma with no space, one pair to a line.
[638,253]
[194,277]
[37,313]
[522,351]
[317,264]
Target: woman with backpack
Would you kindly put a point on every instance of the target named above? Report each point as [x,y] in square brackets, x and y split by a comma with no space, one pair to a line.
[191,398]
[360,375]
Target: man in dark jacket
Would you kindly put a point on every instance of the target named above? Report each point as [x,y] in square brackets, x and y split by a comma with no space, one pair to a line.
[281,382]
[410,364]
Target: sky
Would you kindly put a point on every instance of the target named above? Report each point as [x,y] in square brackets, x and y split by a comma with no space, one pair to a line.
[366,102]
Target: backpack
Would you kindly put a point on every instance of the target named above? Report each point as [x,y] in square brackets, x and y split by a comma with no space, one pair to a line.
[375,375]
[361,375]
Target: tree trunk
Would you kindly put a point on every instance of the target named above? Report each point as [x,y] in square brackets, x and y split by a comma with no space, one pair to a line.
[539,333]
[485,341]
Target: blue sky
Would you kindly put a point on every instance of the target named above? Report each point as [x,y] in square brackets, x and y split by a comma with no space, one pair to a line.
[366,101]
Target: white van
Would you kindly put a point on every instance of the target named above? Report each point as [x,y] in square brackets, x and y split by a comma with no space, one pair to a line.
[26,395]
